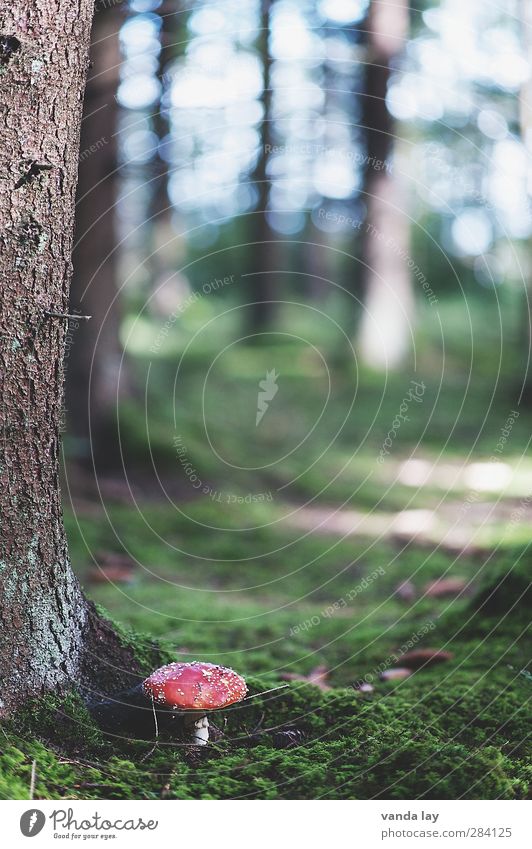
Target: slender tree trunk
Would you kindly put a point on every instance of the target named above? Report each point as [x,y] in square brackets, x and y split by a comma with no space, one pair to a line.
[44,618]
[316,264]
[95,366]
[316,255]
[525,120]
[262,291]
[166,246]
[386,287]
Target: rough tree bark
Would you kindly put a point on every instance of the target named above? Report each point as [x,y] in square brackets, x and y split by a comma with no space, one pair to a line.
[385,284]
[96,369]
[47,628]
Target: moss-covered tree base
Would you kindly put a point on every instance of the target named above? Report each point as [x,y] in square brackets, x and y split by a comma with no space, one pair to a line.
[462,733]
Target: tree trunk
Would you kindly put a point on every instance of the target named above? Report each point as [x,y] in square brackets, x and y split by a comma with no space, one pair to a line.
[95,367]
[386,288]
[45,621]
[524,375]
[262,290]
[167,247]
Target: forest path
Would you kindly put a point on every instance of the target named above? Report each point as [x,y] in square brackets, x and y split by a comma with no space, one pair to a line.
[456,526]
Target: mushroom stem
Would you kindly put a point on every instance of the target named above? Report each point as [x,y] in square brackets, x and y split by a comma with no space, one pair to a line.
[198,728]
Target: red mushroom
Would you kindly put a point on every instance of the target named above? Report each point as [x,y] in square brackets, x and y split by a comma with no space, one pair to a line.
[196,687]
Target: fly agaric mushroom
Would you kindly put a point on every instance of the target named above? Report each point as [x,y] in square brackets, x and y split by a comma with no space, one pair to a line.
[195,688]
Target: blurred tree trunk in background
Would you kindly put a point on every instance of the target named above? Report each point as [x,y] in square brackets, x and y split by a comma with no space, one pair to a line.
[48,628]
[316,256]
[525,119]
[315,261]
[94,367]
[262,288]
[166,246]
[385,283]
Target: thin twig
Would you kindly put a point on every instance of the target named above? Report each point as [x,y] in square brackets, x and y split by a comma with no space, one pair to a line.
[147,755]
[259,724]
[66,315]
[155,718]
[32,779]
[264,692]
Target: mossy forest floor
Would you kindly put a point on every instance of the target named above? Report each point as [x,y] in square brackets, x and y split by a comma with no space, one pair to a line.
[288,557]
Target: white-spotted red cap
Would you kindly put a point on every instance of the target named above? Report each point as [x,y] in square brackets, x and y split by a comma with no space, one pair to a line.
[195,686]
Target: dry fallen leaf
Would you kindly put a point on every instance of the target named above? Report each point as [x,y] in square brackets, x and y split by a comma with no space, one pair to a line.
[112,566]
[318,677]
[445,587]
[406,591]
[115,489]
[396,672]
[286,739]
[115,576]
[418,658]
[363,687]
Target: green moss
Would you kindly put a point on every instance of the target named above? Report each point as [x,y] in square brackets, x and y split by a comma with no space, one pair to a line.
[442,771]
[507,589]
[149,653]
[230,583]
[467,739]
[62,720]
